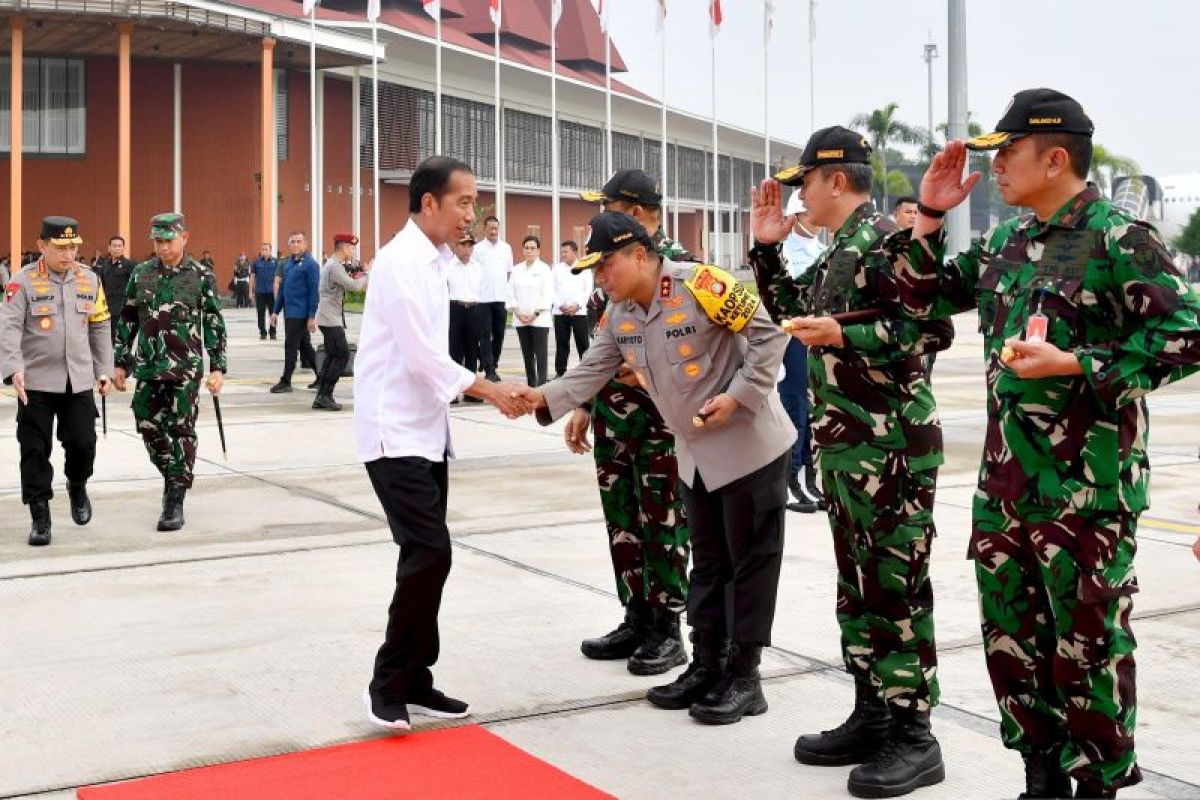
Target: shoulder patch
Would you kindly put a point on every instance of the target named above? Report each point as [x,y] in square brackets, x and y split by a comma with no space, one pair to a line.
[10,291]
[725,301]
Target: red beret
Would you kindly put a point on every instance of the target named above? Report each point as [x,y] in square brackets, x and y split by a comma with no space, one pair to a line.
[345,238]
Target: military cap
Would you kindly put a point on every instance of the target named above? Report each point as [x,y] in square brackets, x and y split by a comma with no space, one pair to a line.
[467,237]
[610,231]
[344,238]
[834,145]
[166,227]
[630,185]
[60,231]
[1035,111]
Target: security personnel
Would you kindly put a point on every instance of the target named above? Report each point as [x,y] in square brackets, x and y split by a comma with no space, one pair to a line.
[638,476]
[54,344]
[171,316]
[1106,318]
[879,442]
[707,354]
[334,281]
[114,271]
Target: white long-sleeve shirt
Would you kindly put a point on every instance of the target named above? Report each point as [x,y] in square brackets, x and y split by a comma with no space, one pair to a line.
[404,377]
[465,280]
[530,290]
[496,261]
[571,289]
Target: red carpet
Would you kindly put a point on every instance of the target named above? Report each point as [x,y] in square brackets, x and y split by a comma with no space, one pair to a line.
[464,762]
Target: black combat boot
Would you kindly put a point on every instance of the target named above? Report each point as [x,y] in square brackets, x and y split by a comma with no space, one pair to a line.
[1087,788]
[172,513]
[856,739]
[1045,777]
[662,649]
[810,484]
[911,759]
[738,694]
[81,506]
[622,641]
[325,402]
[710,652]
[39,531]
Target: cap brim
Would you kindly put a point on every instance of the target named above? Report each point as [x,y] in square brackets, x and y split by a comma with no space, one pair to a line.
[593,197]
[163,236]
[587,262]
[993,141]
[792,176]
[76,240]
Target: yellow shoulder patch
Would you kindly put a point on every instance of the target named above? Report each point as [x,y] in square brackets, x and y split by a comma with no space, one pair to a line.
[101,312]
[725,301]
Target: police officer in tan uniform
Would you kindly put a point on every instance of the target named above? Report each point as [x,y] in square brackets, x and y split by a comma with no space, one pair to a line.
[708,355]
[54,345]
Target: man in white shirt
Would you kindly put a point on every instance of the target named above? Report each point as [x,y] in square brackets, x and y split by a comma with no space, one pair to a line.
[495,257]
[465,278]
[404,382]
[571,294]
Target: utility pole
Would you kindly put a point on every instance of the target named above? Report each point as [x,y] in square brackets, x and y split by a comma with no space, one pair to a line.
[958,220]
[931,52]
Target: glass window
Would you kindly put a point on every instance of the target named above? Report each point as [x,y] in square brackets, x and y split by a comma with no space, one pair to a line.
[54,107]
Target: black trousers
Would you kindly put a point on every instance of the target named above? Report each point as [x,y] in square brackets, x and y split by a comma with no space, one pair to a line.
[337,356]
[241,294]
[412,492]
[76,413]
[493,322]
[466,324]
[737,552]
[566,325]
[535,343]
[296,341]
[264,303]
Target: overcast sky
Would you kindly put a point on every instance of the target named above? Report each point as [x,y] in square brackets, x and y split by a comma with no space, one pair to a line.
[1135,67]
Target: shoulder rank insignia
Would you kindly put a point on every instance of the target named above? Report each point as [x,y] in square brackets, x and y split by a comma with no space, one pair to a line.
[725,301]
[664,287]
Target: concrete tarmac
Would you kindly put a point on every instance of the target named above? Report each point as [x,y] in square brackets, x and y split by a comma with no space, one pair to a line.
[127,652]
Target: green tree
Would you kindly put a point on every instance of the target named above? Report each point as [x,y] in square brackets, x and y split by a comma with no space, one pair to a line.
[883,129]
[1106,166]
[1189,241]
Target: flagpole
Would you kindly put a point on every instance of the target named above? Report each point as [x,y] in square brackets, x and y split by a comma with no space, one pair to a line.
[312,123]
[499,122]
[715,249]
[554,219]
[356,160]
[375,132]
[812,69]
[663,95]
[608,133]
[437,106]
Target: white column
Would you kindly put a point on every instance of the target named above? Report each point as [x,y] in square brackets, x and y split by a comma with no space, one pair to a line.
[177,142]
[356,156]
[958,220]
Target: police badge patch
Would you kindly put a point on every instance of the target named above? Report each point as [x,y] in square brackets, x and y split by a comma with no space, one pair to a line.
[10,291]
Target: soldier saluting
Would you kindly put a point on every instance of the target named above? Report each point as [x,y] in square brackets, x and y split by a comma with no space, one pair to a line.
[54,343]
[171,316]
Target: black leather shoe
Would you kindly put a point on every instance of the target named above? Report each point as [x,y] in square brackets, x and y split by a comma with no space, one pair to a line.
[1089,789]
[622,641]
[803,507]
[855,740]
[1045,777]
[911,759]
[739,693]
[325,402]
[262,336]
[81,506]
[315,384]
[662,649]
[172,514]
[809,484]
[710,653]
[272,335]
[281,388]
[39,530]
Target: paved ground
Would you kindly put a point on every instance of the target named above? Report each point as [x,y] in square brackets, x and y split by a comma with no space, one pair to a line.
[127,652]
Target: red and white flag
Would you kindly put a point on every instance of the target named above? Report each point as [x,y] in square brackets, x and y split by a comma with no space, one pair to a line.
[494,11]
[662,15]
[714,18]
[433,8]
[768,20]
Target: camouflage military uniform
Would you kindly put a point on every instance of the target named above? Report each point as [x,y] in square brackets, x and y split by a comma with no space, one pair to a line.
[159,339]
[1065,470]
[635,466]
[879,442]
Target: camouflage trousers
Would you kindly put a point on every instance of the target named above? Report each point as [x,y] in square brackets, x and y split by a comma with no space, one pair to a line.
[1055,596]
[882,535]
[166,418]
[648,536]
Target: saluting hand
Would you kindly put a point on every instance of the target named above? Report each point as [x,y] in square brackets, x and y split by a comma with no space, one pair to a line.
[942,186]
[767,221]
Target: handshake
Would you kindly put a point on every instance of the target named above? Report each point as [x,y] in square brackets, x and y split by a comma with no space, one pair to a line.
[511,399]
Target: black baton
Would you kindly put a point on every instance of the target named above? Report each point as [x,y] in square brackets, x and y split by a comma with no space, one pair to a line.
[103,414]
[220,425]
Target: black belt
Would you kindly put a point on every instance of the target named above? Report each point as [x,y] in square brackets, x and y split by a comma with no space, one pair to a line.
[463,303]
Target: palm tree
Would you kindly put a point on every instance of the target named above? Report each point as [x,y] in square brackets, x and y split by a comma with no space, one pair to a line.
[884,129]
[1107,166]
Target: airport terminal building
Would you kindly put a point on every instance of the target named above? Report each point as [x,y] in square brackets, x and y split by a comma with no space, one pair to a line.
[127,109]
